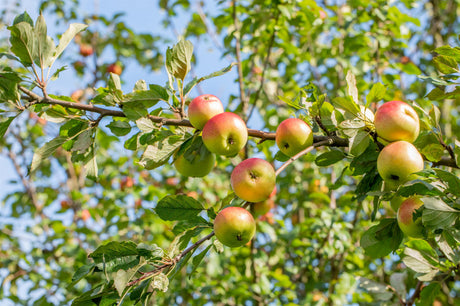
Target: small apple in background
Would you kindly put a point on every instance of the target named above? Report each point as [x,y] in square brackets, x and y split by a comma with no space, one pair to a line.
[77,95]
[65,204]
[225,134]
[126,182]
[172,181]
[138,204]
[397,161]
[397,120]
[198,167]
[203,108]
[234,226]
[86,50]
[293,135]
[263,207]
[115,68]
[253,180]
[85,215]
[406,219]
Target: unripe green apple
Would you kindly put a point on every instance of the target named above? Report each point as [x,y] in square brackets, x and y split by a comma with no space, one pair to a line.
[203,108]
[199,166]
[225,134]
[397,120]
[405,218]
[397,161]
[234,226]
[293,135]
[253,180]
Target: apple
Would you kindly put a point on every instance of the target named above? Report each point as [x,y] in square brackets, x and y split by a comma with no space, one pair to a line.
[234,226]
[115,68]
[405,217]
[397,120]
[397,162]
[225,134]
[253,180]
[263,207]
[138,204]
[85,214]
[203,108]
[293,135]
[200,166]
[65,204]
[86,50]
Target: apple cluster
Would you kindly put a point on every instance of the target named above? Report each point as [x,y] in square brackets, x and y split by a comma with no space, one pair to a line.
[254,179]
[397,124]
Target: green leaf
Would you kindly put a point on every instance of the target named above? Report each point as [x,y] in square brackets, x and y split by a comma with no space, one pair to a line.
[148,98]
[346,104]
[46,151]
[418,188]
[376,93]
[66,38]
[359,143]
[352,90]
[446,64]
[448,246]
[23,42]
[379,291]
[24,17]
[83,141]
[197,80]
[178,59]
[429,294]
[198,259]
[329,158]
[4,124]
[119,127]
[113,250]
[382,239]
[159,153]
[438,214]
[178,207]
[90,164]
[453,52]
[9,86]
[433,152]
[46,47]
[81,273]
[451,180]
[145,125]
[422,258]
[122,278]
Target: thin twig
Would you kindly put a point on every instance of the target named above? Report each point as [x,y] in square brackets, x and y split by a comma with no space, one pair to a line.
[244,103]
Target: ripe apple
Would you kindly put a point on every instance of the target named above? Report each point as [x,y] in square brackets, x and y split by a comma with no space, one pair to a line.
[253,180]
[203,108]
[293,135]
[85,214]
[115,68]
[225,134]
[86,50]
[200,166]
[397,161]
[397,120]
[263,207]
[234,226]
[406,219]
[65,204]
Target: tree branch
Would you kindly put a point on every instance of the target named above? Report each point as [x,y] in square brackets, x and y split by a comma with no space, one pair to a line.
[332,141]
